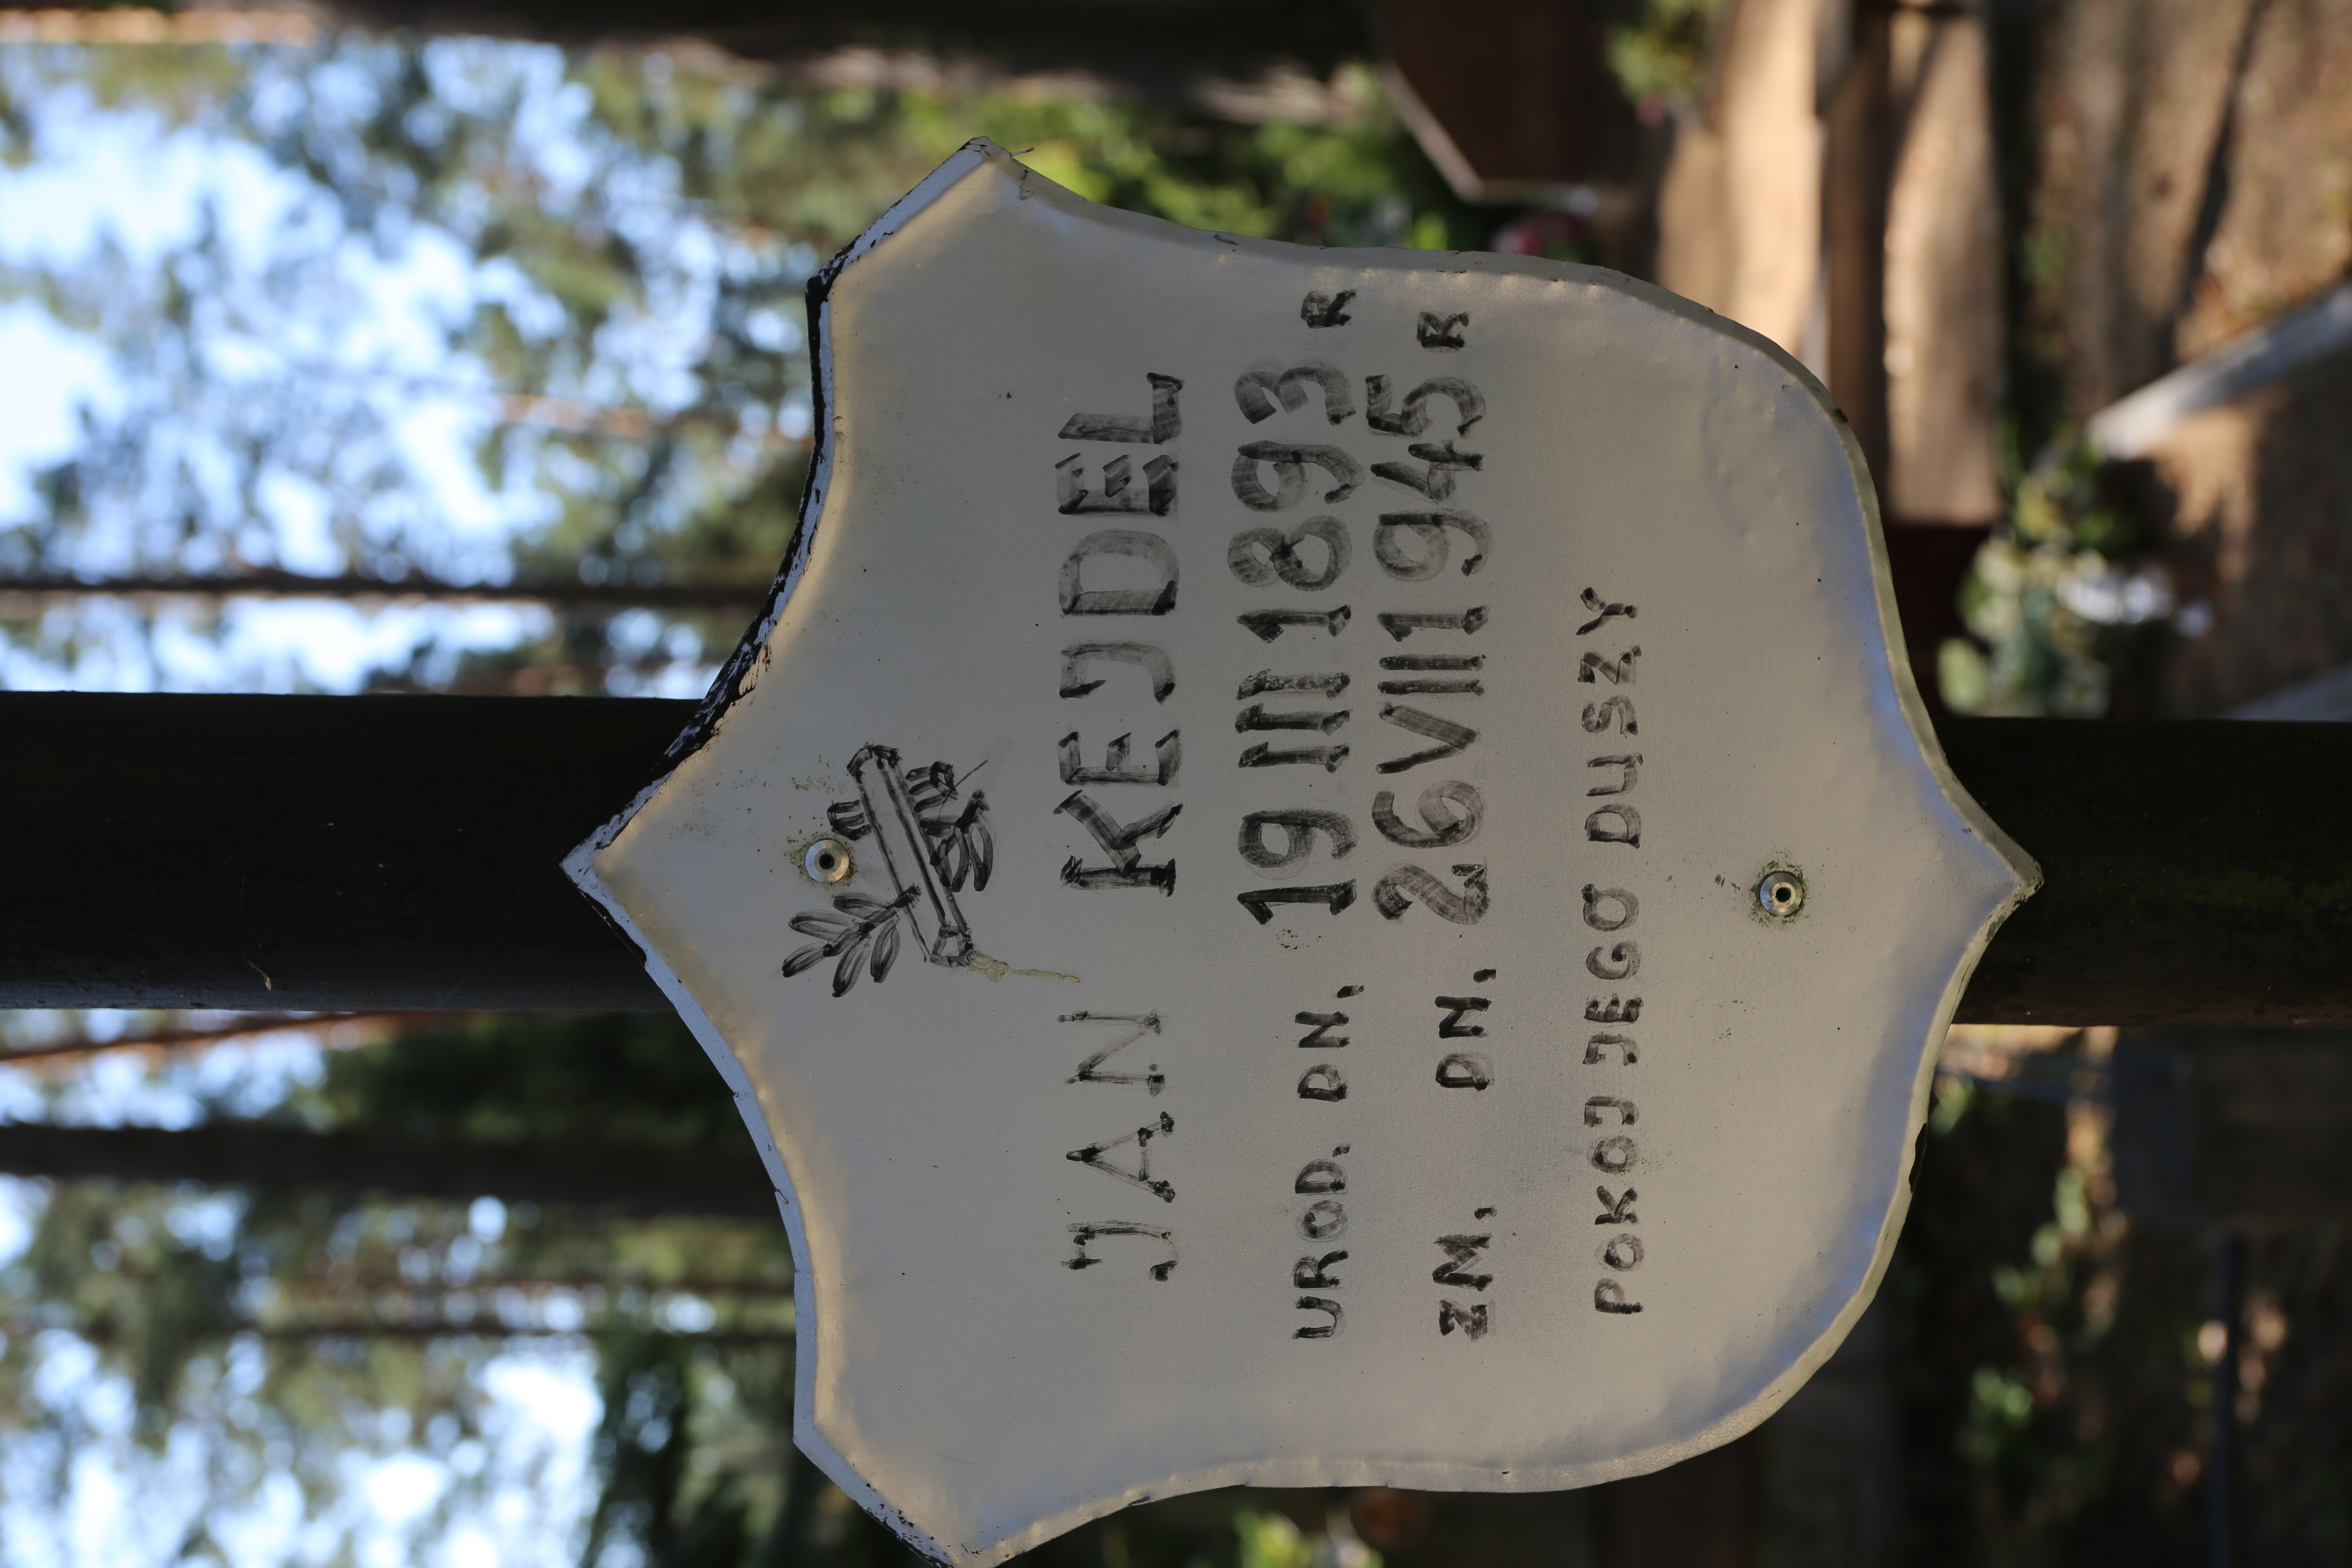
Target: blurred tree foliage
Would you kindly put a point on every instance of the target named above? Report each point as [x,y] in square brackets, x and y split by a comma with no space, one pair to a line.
[2060,600]
[282,1332]
[619,243]
[1661,56]
[2056,1364]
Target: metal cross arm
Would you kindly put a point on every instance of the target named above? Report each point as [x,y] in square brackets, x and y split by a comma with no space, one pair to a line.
[404,852]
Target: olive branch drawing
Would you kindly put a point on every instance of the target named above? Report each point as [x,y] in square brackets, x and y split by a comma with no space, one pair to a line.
[870,934]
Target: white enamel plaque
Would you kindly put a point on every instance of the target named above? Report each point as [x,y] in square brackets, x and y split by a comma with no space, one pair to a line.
[1324,870]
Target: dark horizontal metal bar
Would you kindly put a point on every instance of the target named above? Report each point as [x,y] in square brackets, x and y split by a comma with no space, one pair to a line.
[2193,872]
[403,853]
[316,853]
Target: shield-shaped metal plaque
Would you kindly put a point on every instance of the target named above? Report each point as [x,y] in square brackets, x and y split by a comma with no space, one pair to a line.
[1324,870]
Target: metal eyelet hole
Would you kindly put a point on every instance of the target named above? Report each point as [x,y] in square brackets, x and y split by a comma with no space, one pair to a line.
[827,860]
[1780,894]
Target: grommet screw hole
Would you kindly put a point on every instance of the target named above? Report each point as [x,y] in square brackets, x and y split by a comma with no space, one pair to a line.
[1780,894]
[827,861]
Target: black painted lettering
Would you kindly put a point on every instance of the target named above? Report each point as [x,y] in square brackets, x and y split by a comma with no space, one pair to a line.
[1614,1156]
[1154,663]
[1625,955]
[1264,755]
[1116,542]
[1090,1070]
[1413,417]
[1450,813]
[1321,1178]
[1427,686]
[1118,841]
[1618,673]
[1596,1050]
[1290,463]
[1616,1211]
[1319,1331]
[1168,755]
[1456,1008]
[1395,892]
[1464,1069]
[1265,680]
[1300,827]
[1258,555]
[1599,716]
[1334,896]
[1443,332]
[1155,497]
[1402,623]
[1162,425]
[1439,464]
[1629,763]
[1320,1025]
[1321,310]
[1312,1273]
[1600,1104]
[1624,1253]
[1268,625]
[1627,908]
[1461,1256]
[1323,1081]
[1627,829]
[1323,1220]
[1474,1322]
[1604,611]
[1432,685]
[1260,393]
[1608,1295]
[1452,738]
[1257,717]
[1091,1156]
[1429,528]
[1087,1232]
[1614,1012]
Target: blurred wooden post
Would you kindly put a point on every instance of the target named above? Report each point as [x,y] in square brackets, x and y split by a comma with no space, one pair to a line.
[1853,225]
[1740,217]
[2228,1128]
[1925,341]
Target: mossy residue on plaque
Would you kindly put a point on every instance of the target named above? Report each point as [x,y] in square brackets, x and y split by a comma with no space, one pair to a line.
[997,969]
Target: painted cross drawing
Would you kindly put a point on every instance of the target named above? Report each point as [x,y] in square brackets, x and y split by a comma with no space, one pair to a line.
[1461,868]
[938,845]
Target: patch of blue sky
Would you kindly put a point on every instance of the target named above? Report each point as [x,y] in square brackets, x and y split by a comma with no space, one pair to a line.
[83,1489]
[413,298]
[53,375]
[289,646]
[300,645]
[241,1078]
[550,115]
[377,329]
[467,535]
[298,299]
[301,511]
[536,314]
